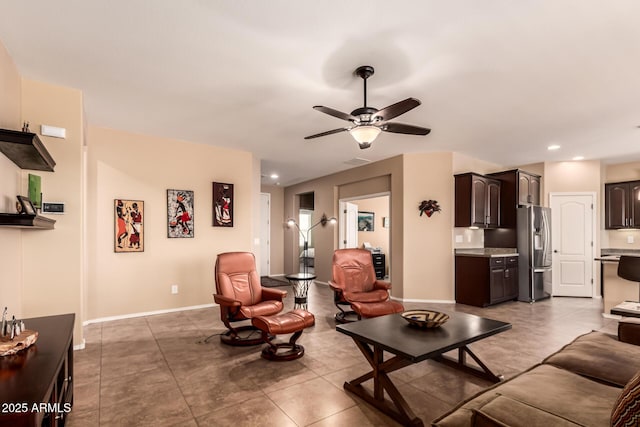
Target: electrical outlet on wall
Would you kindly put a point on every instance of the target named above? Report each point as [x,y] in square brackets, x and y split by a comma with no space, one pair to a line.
[458,239]
[629,239]
[174,289]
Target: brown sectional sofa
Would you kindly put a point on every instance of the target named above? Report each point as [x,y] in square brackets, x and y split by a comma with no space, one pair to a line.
[577,386]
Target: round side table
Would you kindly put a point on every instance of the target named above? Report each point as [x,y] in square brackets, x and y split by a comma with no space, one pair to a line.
[300,283]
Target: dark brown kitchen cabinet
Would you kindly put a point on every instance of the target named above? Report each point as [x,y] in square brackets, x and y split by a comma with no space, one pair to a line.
[483,281]
[518,188]
[477,201]
[528,189]
[622,205]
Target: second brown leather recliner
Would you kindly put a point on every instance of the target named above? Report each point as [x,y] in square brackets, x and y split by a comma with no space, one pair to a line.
[354,283]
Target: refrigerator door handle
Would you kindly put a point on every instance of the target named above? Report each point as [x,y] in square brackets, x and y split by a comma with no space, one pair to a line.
[541,270]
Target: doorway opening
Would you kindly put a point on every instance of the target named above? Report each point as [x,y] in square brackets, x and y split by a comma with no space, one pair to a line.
[305,252]
[365,222]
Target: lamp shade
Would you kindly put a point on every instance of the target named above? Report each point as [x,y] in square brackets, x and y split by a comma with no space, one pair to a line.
[365,135]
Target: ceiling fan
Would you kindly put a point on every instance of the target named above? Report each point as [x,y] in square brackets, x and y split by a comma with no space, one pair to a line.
[368,122]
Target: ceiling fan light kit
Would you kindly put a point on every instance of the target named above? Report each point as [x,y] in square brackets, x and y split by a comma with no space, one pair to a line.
[365,135]
[368,122]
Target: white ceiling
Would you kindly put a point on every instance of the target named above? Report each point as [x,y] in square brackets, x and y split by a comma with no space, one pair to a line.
[499,80]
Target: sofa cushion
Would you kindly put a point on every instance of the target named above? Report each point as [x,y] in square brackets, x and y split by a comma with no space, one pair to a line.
[600,357]
[504,411]
[547,389]
[626,411]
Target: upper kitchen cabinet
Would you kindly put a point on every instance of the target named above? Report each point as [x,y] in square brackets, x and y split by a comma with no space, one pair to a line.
[622,205]
[477,201]
[519,188]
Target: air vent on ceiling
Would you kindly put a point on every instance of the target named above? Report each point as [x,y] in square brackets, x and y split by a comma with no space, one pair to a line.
[357,161]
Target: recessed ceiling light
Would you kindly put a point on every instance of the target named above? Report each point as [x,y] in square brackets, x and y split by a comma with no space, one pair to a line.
[553,147]
[274,176]
[578,158]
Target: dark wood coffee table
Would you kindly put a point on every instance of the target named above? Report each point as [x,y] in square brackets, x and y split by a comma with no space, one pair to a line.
[412,345]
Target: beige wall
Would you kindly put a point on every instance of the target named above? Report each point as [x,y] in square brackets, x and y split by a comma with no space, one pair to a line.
[462,163]
[10,180]
[52,259]
[428,247]
[277,227]
[571,176]
[622,172]
[141,167]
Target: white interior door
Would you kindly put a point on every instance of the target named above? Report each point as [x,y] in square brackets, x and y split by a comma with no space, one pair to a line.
[265,233]
[572,228]
[348,225]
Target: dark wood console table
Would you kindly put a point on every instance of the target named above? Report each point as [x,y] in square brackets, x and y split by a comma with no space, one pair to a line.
[36,384]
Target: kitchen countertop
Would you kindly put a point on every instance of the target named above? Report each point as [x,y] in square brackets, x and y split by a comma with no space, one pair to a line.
[613,255]
[487,252]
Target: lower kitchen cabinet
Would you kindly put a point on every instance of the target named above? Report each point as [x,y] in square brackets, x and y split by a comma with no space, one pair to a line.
[483,281]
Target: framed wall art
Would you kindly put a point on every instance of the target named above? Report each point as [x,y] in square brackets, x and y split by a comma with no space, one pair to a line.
[180,214]
[128,225]
[222,205]
[25,206]
[365,221]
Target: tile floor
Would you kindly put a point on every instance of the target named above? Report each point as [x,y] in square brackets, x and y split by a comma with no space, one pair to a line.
[157,371]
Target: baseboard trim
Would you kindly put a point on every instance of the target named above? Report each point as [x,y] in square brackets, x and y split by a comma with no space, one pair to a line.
[424,301]
[145,313]
[80,346]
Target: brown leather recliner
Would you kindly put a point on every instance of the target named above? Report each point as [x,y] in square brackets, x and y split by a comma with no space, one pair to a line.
[242,297]
[354,283]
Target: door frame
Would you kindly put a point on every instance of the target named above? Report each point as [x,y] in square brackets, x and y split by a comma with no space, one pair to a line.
[343,227]
[265,253]
[341,230]
[594,220]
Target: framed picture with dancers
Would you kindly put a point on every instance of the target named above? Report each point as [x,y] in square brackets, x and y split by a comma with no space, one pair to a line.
[128,225]
[180,214]
[222,204]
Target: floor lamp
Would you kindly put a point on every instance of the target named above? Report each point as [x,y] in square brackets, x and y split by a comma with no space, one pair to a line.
[305,235]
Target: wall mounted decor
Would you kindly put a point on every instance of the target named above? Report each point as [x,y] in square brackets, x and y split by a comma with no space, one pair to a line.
[35,190]
[128,225]
[429,207]
[180,214]
[365,221]
[222,205]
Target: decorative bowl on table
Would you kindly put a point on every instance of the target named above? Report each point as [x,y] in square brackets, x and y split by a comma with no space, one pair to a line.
[425,318]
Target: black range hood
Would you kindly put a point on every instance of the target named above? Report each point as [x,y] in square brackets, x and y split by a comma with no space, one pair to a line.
[26,150]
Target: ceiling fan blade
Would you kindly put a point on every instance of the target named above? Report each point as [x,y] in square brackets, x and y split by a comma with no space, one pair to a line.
[329,132]
[335,113]
[408,129]
[388,113]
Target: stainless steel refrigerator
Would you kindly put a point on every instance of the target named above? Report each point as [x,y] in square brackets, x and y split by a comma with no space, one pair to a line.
[534,253]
